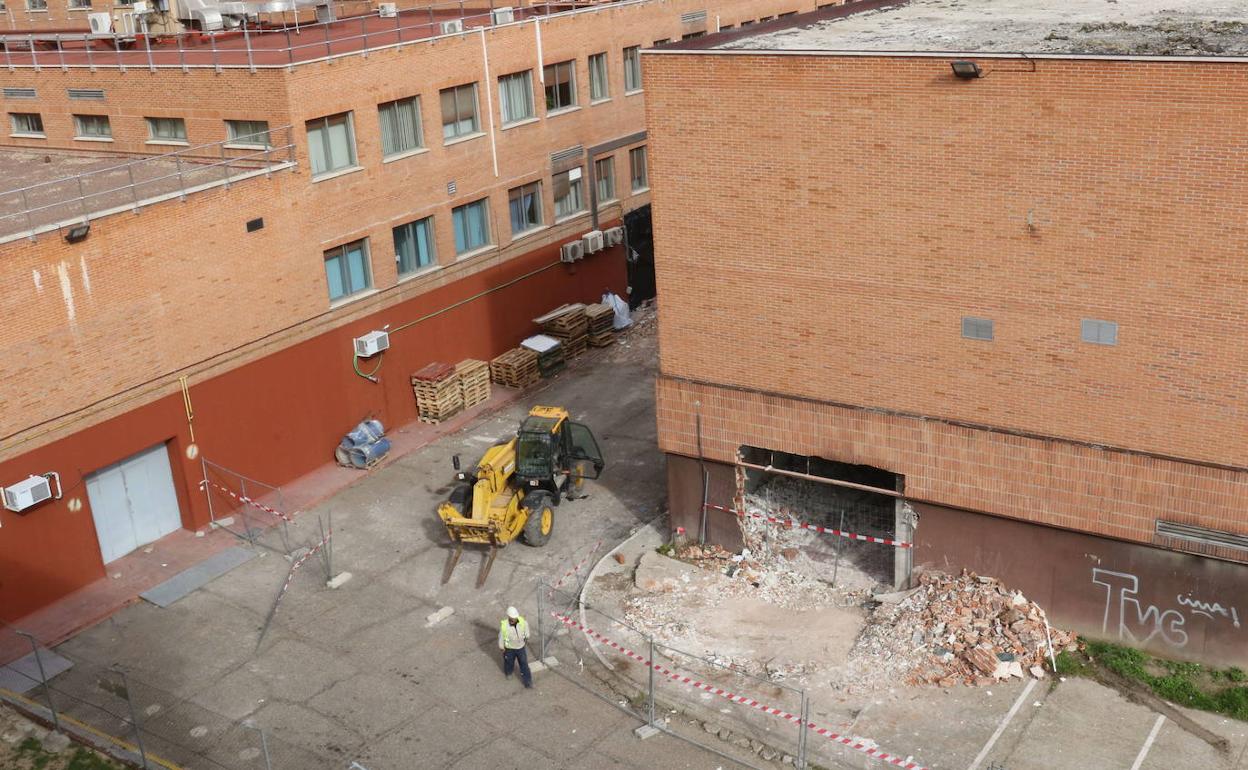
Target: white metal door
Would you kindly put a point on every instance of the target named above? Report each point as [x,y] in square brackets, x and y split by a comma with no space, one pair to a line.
[133,502]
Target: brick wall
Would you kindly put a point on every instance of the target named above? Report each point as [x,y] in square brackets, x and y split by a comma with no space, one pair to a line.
[829,220]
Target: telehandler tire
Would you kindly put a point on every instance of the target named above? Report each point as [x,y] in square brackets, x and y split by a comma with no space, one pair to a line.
[541,521]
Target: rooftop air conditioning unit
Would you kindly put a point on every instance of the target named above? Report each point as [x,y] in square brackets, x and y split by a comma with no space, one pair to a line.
[452,27]
[593,241]
[371,344]
[388,10]
[572,251]
[101,23]
[31,492]
[615,236]
[505,15]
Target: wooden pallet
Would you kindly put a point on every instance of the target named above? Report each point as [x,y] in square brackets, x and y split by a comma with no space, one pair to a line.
[601,325]
[517,368]
[474,381]
[438,395]
[570,325]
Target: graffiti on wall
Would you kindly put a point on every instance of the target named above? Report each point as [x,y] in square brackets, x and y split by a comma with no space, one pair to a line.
[1128,618]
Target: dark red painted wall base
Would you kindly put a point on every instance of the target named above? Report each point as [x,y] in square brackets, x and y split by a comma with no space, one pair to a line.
[279,417]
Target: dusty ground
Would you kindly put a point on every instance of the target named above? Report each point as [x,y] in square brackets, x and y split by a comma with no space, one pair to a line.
[21,748]
[1136,27]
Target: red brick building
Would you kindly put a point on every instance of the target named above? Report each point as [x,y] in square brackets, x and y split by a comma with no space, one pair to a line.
[1013,298]
[312,185]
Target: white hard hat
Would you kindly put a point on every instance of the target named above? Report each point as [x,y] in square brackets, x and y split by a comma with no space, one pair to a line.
[513,613]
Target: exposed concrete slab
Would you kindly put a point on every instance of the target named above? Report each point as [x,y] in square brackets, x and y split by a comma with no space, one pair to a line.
[198,576]
[22,675]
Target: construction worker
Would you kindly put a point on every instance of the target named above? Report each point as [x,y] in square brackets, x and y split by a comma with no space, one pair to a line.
[513,635]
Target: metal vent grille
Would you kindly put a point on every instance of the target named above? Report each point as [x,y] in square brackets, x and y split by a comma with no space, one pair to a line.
[572,153]
[86,93]
[450,187]
[19,93]
[1202,535]
[692,17]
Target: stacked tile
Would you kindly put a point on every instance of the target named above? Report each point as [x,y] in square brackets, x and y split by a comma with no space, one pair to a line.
[517,368]
[474,381]
[438,396]
[601,320]
[569,325]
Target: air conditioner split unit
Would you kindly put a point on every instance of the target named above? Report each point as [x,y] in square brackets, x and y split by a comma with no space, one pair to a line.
[101,23]
[387,10]
[572,251]
[371,344]
[452,27]
[505,15]
[615,236]
[30,492]
[593,241]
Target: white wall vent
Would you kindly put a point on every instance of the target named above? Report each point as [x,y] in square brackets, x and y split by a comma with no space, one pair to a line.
[452,27]
[86,93]
[572,251]
[692,17]
[562,156]
[1195,534]
[19,93]
[505,15]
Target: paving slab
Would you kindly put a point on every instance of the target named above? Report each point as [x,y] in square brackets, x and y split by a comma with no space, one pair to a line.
[198,576]
[23,674]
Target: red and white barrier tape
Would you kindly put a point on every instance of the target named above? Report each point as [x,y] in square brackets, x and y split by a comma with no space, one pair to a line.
[246,500]
[299,563]
[578,566]
[870,751]
[794,523]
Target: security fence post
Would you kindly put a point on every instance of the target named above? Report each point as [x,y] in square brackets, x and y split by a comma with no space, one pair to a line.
[264,742]
[650,709]
[134,719]
[802,732]
[43,677]
[541,633]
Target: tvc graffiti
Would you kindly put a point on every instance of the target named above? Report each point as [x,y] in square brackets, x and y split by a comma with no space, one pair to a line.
[1129,619]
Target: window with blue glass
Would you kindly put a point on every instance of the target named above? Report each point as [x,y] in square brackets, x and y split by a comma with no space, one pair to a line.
[413,245]
[346,269]
[472,226]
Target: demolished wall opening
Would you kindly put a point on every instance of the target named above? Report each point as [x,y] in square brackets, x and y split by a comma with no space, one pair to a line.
[847,563]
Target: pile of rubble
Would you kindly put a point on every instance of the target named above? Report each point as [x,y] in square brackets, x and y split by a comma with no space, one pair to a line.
[966,629]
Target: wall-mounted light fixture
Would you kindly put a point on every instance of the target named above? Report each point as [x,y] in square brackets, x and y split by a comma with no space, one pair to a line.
[77,232]
[966,70]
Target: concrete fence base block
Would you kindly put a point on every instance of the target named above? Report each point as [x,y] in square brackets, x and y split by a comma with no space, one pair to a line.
[228,521]
[442,614]
[646,731]
[338,580]
[541,665]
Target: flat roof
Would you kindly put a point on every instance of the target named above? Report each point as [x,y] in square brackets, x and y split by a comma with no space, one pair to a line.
[1192,28]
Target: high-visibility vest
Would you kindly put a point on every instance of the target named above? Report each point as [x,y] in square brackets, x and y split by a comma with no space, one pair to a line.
[522,631]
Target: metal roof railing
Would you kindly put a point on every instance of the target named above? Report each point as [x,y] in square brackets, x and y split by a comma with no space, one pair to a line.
[55,204]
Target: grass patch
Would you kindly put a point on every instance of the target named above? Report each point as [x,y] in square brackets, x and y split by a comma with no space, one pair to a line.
[88,760]
[1221,691]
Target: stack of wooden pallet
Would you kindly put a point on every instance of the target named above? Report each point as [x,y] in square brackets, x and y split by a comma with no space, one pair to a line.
[569,325]
[438,396]
[517,368]
[550,357]
[474,381]
[601,325]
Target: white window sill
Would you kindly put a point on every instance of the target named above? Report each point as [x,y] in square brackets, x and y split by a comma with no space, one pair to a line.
[518,123]
[251,147]
[475,252]
[404,154]
[570,217]
[464,138]
[335,174]
[84,8]
[634,92]
[640,190]
[36,10]
[168,142]
[562,111]
[93,139]
[422,272]
[608,202]
[28,136]
[532,231]
[347,300]
[603,100]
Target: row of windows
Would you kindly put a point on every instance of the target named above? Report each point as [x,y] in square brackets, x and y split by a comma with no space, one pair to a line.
[347,269]
[250,133]
[42,5]
[1091,330]
[331,139]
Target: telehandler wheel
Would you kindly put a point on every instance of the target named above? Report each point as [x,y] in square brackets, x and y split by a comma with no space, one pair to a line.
[541,521]
[461,498]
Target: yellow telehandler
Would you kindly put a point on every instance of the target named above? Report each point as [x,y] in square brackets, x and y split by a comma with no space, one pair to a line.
[518,484]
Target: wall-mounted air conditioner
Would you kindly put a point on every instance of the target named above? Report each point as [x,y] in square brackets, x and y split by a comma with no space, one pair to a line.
[572,251]
[101,23]
[387,10]
[371,344]
[30,492]
[615,236]
[593,241]
[505,15]
[452,27]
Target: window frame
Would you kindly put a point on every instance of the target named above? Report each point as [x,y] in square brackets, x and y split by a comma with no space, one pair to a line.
[550,73]
[155,138]
[456,99]
[457,220]
[37,6]
[417,128]
[609,163]
[504,103]
[600,77]
[15,131]
[233,138]
[342,252]
[80,134]
[1098,327]
[576,184]
[978,328]
[417,264]
[533,190]
[632,70]
[324,121]
[78,5]
[633,154]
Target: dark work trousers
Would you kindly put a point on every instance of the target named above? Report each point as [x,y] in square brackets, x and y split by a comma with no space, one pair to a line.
[510,657]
